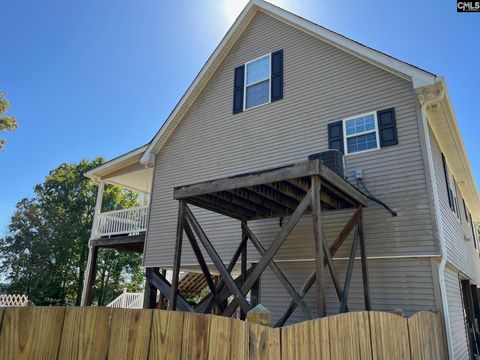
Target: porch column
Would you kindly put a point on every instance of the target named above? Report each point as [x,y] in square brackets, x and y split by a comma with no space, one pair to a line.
[98,209]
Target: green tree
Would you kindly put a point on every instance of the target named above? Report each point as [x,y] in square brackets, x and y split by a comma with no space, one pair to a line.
[45,252]
[7,122]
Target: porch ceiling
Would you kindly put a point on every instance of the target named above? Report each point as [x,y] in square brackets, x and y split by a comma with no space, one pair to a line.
[126,171]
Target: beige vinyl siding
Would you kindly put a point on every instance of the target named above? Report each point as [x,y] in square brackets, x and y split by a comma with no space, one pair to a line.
[461,251]
[322,84]
[387,287]
[455,310]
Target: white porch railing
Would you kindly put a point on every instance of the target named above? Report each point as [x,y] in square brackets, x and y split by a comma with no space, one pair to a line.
[125,221]
[128,301]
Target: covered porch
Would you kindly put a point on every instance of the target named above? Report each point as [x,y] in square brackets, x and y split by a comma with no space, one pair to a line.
[119,229]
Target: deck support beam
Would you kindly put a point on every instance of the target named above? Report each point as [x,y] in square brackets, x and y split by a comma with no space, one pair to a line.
[172,304]
[90,275]
[318,235]
[363,254]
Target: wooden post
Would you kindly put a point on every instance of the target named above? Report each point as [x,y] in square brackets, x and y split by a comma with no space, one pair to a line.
[150,293]
[363,253]
[90,276]
[260,315]
[162,298]
[243,265]
[177,256]
[318,233]
[255,296]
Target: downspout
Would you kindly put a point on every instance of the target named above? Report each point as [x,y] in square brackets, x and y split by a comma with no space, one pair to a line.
[438,215]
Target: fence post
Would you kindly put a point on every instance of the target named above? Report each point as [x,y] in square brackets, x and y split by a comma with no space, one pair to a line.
[260,315]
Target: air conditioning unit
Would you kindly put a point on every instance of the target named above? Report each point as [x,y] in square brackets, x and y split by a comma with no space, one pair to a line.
[332,159]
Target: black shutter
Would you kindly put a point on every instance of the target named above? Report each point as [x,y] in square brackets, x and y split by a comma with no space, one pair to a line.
[238,89]
[447,182]
[473,231]
[277,76]
[465,209]
[335,136]
[387,127]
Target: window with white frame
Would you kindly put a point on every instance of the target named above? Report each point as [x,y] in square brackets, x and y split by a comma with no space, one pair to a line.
[361,133]
[257,82]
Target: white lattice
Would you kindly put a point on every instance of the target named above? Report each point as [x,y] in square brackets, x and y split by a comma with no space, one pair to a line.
[13,300]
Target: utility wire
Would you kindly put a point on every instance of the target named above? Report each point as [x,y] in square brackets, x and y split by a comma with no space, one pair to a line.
[369,195]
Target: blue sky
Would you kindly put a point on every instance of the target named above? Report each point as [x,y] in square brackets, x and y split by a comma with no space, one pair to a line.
[91,78]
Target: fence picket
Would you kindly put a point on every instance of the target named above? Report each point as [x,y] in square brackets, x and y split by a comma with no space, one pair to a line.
[195,337]
[31,333]
[85,333]
[350,336]
[167,332]
[264,342]
[129,334]
[389,334]
[95,333]
[426,336]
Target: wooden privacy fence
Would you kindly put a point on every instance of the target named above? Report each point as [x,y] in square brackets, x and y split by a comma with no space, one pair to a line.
[105,333]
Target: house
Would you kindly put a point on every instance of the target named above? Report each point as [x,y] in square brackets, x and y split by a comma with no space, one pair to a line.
[278,89]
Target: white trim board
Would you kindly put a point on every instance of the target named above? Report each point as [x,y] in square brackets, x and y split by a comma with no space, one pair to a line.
[418,76]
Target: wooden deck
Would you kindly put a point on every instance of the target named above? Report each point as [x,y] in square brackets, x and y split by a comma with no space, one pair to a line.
[271,193]
[131,243]
[291,191]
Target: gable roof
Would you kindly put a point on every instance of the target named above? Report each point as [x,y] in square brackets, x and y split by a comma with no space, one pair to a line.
[417,76]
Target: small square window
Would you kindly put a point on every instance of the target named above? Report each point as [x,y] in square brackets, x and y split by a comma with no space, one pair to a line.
[361,133]
[257,82]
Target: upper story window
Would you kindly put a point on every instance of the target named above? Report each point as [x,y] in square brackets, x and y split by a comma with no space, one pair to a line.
[356,134]
[361,133]
[257,82]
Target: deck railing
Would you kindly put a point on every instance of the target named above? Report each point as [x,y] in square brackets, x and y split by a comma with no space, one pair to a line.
[127,301]
[125,221]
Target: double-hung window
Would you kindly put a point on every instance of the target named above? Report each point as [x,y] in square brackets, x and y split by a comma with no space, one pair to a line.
[257,82]
[361,133]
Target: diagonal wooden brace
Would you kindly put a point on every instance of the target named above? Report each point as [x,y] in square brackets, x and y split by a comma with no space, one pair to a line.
[280,275]
[202,263]
[272,250]
[349,226]
[237,293]
[348,275]
[162,284]
[221,283]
